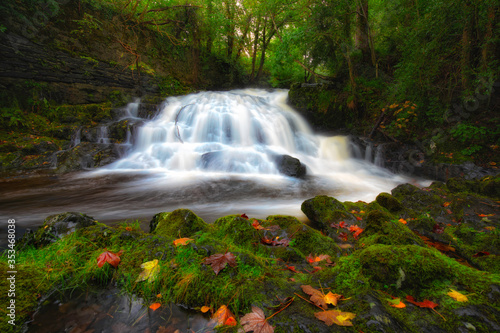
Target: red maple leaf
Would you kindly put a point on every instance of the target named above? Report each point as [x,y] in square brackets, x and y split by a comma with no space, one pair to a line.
[425,304]
[219,261]
[437,229]
[245,216]
[343,236]
[481,254]
[109,257]
[355,230]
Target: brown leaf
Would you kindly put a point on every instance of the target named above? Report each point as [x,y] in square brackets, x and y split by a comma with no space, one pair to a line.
[256,321]
[335,317]
[219,261]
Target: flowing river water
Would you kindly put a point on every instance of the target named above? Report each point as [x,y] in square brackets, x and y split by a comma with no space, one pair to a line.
[212,152]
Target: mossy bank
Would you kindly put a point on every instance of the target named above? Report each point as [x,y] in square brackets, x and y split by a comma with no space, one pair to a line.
[420,242]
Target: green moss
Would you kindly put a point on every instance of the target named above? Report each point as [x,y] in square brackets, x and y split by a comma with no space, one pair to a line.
[179,223]
[389,202]
[322,210]
[304,239]
[381,228]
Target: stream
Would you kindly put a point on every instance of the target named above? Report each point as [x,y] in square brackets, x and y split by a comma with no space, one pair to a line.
[211,152]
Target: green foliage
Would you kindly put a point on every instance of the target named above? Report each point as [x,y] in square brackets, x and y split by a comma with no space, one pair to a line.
[87,25]
[12,117]
[465,132]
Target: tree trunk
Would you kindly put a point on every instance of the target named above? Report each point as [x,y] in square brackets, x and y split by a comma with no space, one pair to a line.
[263,52]
[255,47]
[361,38]
[488,46]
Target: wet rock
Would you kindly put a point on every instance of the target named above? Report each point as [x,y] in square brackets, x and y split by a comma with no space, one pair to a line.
[179,223]
[57,226]
[85,156]
[290,166]
[483,317]
[322,210]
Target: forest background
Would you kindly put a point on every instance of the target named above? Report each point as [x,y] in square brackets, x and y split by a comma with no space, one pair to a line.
[422,71]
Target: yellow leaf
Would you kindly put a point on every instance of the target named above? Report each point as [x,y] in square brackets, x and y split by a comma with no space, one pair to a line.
[150,271]
[458,296]
[182,241]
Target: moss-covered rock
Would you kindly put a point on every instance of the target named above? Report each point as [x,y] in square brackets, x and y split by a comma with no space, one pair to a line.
[179,223]
[57,226]
[382,228]
[304,239]
[322,210]
[417,199]
[389,202]
[407,267]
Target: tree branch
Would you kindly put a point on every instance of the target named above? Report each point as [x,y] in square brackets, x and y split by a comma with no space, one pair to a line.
[323,77]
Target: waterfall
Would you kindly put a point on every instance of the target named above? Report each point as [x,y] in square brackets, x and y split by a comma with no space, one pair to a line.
[240,131]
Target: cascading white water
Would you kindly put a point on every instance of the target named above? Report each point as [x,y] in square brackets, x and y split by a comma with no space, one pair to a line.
[238,132]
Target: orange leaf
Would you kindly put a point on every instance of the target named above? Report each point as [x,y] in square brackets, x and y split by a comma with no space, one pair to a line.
[320,299]
[154,306]
[182,241]
[359,218]
[222,315]
[230,322]
[402,220]
[396,303]
[256,225]
[335,317]
[205,309]
[256,321]
[446,204]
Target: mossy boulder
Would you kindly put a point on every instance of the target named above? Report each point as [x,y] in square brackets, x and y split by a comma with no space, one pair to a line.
[322,210]
[382,228]
[304,239]
[236,229]
[406,267]
[389,202]
[416,199]
[179,223]
[57,226]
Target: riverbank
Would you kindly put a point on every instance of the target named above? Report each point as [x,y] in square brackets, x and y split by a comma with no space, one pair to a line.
[421,243]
